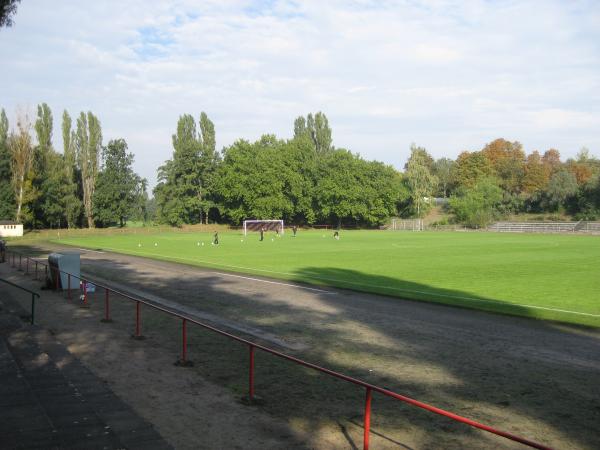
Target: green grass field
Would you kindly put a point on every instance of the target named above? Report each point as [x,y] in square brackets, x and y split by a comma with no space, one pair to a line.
[554,277]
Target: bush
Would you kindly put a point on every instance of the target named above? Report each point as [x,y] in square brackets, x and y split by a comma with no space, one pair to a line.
[479,206]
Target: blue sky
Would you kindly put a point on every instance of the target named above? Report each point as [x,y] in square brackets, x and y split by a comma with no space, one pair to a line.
[447,75]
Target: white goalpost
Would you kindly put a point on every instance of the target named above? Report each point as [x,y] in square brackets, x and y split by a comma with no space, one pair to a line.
[267,225]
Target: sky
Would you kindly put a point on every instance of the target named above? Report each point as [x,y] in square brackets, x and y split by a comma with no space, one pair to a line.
[447,75]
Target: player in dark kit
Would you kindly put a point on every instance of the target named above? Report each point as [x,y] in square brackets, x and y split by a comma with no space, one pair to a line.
[336,235]
[262,233]
[216,238]
[295,229]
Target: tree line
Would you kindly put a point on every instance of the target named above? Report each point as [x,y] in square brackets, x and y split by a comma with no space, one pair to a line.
[88,184]
[302,180]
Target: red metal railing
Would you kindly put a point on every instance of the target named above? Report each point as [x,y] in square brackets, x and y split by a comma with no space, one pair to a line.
[252,346]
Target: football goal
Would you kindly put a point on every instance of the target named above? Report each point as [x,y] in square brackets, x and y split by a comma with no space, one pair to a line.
[410,224]
[267,225]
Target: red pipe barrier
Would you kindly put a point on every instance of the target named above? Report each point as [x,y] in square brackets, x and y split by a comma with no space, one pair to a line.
[367,419]
[370,387]
[251,374]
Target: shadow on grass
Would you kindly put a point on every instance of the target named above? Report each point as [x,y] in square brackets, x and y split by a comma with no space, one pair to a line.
[534,378]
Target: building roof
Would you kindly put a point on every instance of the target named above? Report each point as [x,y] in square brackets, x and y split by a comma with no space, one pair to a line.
[8,222]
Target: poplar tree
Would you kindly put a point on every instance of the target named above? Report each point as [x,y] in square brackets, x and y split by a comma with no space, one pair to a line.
[44,193]
[21,151]
[7,195]
[183,192]
[316,129]
[88,143]
[421,182]
[71,201]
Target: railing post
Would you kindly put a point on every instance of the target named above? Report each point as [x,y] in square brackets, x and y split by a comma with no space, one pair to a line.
[138,321]
[107,318]
[84,304]
[251,374]
[184,341]
[183,361]
[32,308]
[367,418]
[69,286]
[20,268]
[27,265]
[36,270]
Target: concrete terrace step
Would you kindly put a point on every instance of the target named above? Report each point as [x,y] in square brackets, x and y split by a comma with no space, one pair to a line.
[49,400]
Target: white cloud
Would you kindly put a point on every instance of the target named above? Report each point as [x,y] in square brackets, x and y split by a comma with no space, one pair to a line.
[447,74]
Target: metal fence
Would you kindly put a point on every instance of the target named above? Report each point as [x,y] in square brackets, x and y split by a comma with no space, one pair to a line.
[24,263]
[534,227]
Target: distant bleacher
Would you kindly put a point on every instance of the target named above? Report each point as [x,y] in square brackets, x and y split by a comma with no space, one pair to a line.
[590,227]
[546,227]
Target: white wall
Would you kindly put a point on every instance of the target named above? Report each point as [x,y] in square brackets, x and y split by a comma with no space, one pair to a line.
[11,230]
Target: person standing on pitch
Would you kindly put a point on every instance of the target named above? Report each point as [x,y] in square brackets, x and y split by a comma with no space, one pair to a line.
[336,235]
[216,238]
[295,229]
[262,233]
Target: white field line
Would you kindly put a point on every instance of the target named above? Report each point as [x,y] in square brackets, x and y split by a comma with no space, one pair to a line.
[471,299]
[275,282]
[88,250]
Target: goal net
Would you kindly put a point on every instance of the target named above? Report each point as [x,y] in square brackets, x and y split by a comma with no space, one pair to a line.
[267,225]
[409,225]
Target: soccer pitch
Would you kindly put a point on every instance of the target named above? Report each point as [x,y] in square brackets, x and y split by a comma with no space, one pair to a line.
[555,277]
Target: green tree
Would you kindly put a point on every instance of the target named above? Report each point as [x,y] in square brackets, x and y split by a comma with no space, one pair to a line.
[443,169]
[8,8]
[470,168]
[72,201]
[47,202]
[561,187]
[478,206]
[301,164]
[421,182]
[21,152]
[118,189]
[316,129]
[88,145]
[354,191]
[253,181]
[183,194]
[54,189]
[7,194]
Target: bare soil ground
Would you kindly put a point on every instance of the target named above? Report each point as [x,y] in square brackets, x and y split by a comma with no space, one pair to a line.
[536,379]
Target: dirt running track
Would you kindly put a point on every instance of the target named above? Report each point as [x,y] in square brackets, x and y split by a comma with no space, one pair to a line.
[537,379]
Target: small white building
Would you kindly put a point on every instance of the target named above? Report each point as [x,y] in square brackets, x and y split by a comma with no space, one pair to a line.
[8,228]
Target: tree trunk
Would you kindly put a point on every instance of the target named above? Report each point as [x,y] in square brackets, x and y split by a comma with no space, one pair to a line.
[20,201]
